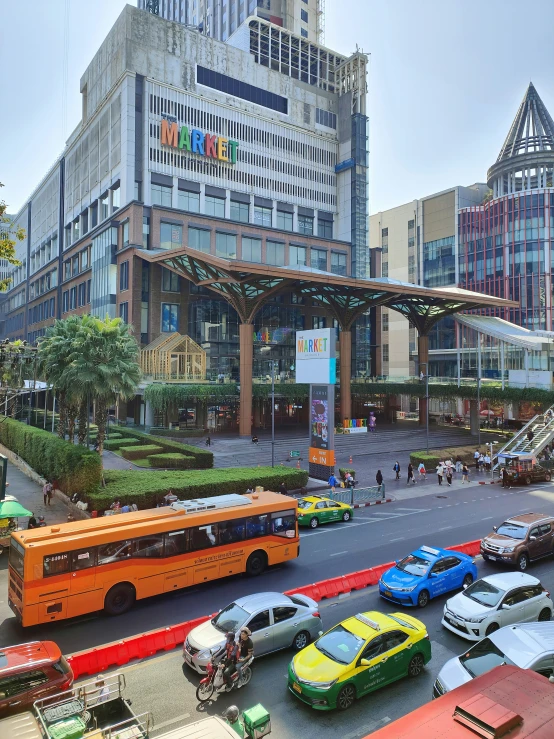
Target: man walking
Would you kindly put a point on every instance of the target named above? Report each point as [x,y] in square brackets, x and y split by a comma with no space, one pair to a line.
[332,482]
[440,472]
[411,474]
[476,456]
[47,492]
[396,469]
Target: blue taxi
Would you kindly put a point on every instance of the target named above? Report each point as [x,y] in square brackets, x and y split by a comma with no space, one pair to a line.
[426,573]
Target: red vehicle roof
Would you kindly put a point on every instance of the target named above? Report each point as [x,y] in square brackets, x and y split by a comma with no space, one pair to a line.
[505,702]
[32,654]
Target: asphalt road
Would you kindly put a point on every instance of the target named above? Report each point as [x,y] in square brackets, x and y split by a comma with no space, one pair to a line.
[375,535]
[165,687]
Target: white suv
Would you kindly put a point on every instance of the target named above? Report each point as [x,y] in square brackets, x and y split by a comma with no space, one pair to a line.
[530,646]
[495,601]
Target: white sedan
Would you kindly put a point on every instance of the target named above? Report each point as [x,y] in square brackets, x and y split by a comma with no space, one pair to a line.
[495,601]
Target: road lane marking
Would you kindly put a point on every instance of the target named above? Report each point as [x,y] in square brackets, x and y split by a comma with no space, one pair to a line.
[486,518]
[444,528]
[399,538]
[337,554]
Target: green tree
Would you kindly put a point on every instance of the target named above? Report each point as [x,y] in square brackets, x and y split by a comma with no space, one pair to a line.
[9,236]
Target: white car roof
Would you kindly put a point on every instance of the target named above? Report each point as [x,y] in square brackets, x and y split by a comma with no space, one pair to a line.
[256,601]
[523,643]
[509,580]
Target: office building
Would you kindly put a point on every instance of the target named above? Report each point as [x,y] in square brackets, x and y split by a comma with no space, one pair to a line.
[219,19]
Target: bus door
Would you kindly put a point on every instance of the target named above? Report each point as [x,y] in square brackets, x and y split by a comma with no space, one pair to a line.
[83,570]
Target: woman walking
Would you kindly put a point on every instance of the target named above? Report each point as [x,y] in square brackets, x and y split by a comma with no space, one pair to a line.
[440,472]
[422,471]
[411,474]
[379,479]
[449,475]
[465,474]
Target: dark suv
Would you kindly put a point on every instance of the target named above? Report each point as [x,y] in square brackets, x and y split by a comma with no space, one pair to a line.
[29,672]
[520,539]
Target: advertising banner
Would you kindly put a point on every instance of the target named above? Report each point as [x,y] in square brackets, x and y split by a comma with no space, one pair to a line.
[316,358]
[322,422]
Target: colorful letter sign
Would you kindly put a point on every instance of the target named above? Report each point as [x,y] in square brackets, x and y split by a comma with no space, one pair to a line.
[316,356]
[196,142]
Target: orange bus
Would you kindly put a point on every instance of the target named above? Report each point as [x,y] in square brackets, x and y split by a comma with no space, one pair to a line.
[70,569]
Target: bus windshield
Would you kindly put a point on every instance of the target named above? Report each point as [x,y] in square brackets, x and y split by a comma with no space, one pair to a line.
[17,554]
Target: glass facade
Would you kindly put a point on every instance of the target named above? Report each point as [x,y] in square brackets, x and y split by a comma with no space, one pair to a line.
[439,262]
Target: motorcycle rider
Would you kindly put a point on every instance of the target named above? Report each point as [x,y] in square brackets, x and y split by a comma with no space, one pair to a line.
[230,658]
[246,650]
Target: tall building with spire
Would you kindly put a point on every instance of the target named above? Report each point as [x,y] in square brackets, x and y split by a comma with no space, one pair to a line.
[506,244]
[221,18]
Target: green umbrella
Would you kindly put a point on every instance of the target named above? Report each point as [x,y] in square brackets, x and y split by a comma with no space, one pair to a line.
[12,509]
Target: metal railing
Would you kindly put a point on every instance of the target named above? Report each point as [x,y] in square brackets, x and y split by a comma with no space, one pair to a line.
[352,496]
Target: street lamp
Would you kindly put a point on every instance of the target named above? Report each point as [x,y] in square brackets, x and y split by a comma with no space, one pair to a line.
[426,377]
[491,444]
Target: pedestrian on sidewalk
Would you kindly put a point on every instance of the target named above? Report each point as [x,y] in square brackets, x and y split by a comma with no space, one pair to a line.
[47,492]
[465,474]
[332,482]
[458,464]
[476,456]
[487,462]
[422,471]
[449,475]
[481,462]
[411,474]
[396,469]
[372,423]
[440,472]
[379,479]
[208,440]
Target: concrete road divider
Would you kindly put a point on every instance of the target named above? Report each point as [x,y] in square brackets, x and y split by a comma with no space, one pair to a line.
[116,654]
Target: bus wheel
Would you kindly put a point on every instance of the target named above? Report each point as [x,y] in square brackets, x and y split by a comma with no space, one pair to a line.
[119,599]
[256,564]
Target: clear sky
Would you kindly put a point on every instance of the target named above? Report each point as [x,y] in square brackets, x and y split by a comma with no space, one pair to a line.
[446,78]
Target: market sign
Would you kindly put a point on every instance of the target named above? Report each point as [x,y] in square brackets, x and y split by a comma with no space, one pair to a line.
[316,356]
[197,142]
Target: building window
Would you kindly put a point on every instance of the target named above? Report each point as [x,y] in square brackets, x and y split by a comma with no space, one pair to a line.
[215,206]
[73,298]
[65,301]
[284,220]
[262,216]
[319,322]
[411,225]
[189,201]
[52,307]
[88,290]
[240,212]
[338,263]
[325,118]
[75,231]
[251,249]
[304,15]
[385,352]
[84,222]
[145,232]
[297,256]
[318,259]
[385,321]
[171,236]
[325,229]
[226,245]
[67,270]
[126,234]
[84,260]
[104,206]
[116,194]
[304,33]
[161,195]
[124,276]
[124,312]
[232,86]
[170,281]
[199,239]
[93,215]
[275,253]
[75,265]
[170,318]
[306,225]
[82,294]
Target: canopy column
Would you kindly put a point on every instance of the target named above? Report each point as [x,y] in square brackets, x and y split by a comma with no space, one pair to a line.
[423,364]
[345,349]
[246,342]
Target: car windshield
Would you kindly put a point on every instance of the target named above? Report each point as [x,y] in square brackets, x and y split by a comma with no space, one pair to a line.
[414,565]
[340,645]
[513,530]
[484,593]
[304,503]
[230,618]
[483,657]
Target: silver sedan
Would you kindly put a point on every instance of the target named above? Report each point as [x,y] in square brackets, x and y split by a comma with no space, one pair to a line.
[276,621]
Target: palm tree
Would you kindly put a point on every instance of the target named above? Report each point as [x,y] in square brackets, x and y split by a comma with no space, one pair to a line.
[104,366]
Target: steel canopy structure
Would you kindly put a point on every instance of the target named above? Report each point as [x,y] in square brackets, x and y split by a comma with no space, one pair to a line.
[247,286]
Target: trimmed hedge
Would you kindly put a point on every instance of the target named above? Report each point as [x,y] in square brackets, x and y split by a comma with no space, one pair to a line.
[75,468]
[430,461]
[171,460]
[203,459]
[179,433]
[130,486]
[114,444]
[112,436]
[139,452]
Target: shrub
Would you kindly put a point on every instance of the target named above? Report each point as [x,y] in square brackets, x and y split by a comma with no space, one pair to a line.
[203,458]
[139,452]
[429,460]
[344,470]
[146,490]
[171,460]
[114,444]
[75,468]
[178,433]
[113,436]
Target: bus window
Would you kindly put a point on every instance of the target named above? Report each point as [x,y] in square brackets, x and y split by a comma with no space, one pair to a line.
[204,537]
[256,526]
[149,546]
[114,552]
[56,564]
[83,558]
[175,543]
[232,531]
[283,522]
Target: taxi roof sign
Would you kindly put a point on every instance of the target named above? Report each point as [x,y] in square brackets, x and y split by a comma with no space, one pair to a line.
[367,621]
[429,550]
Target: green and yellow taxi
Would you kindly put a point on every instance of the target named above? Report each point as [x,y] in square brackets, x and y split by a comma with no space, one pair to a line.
[316,509]
[357,656]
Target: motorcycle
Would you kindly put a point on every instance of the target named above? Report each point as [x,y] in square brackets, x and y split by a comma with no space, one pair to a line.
[214,681]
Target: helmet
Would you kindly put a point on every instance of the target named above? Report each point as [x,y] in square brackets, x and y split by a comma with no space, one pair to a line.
[230,636]
[231,714]
[245,630]
[41,518]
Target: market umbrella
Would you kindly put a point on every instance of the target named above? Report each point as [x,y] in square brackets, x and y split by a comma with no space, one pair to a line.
[12,509]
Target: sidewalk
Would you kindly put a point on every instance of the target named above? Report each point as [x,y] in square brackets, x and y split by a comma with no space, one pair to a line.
[29,494]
